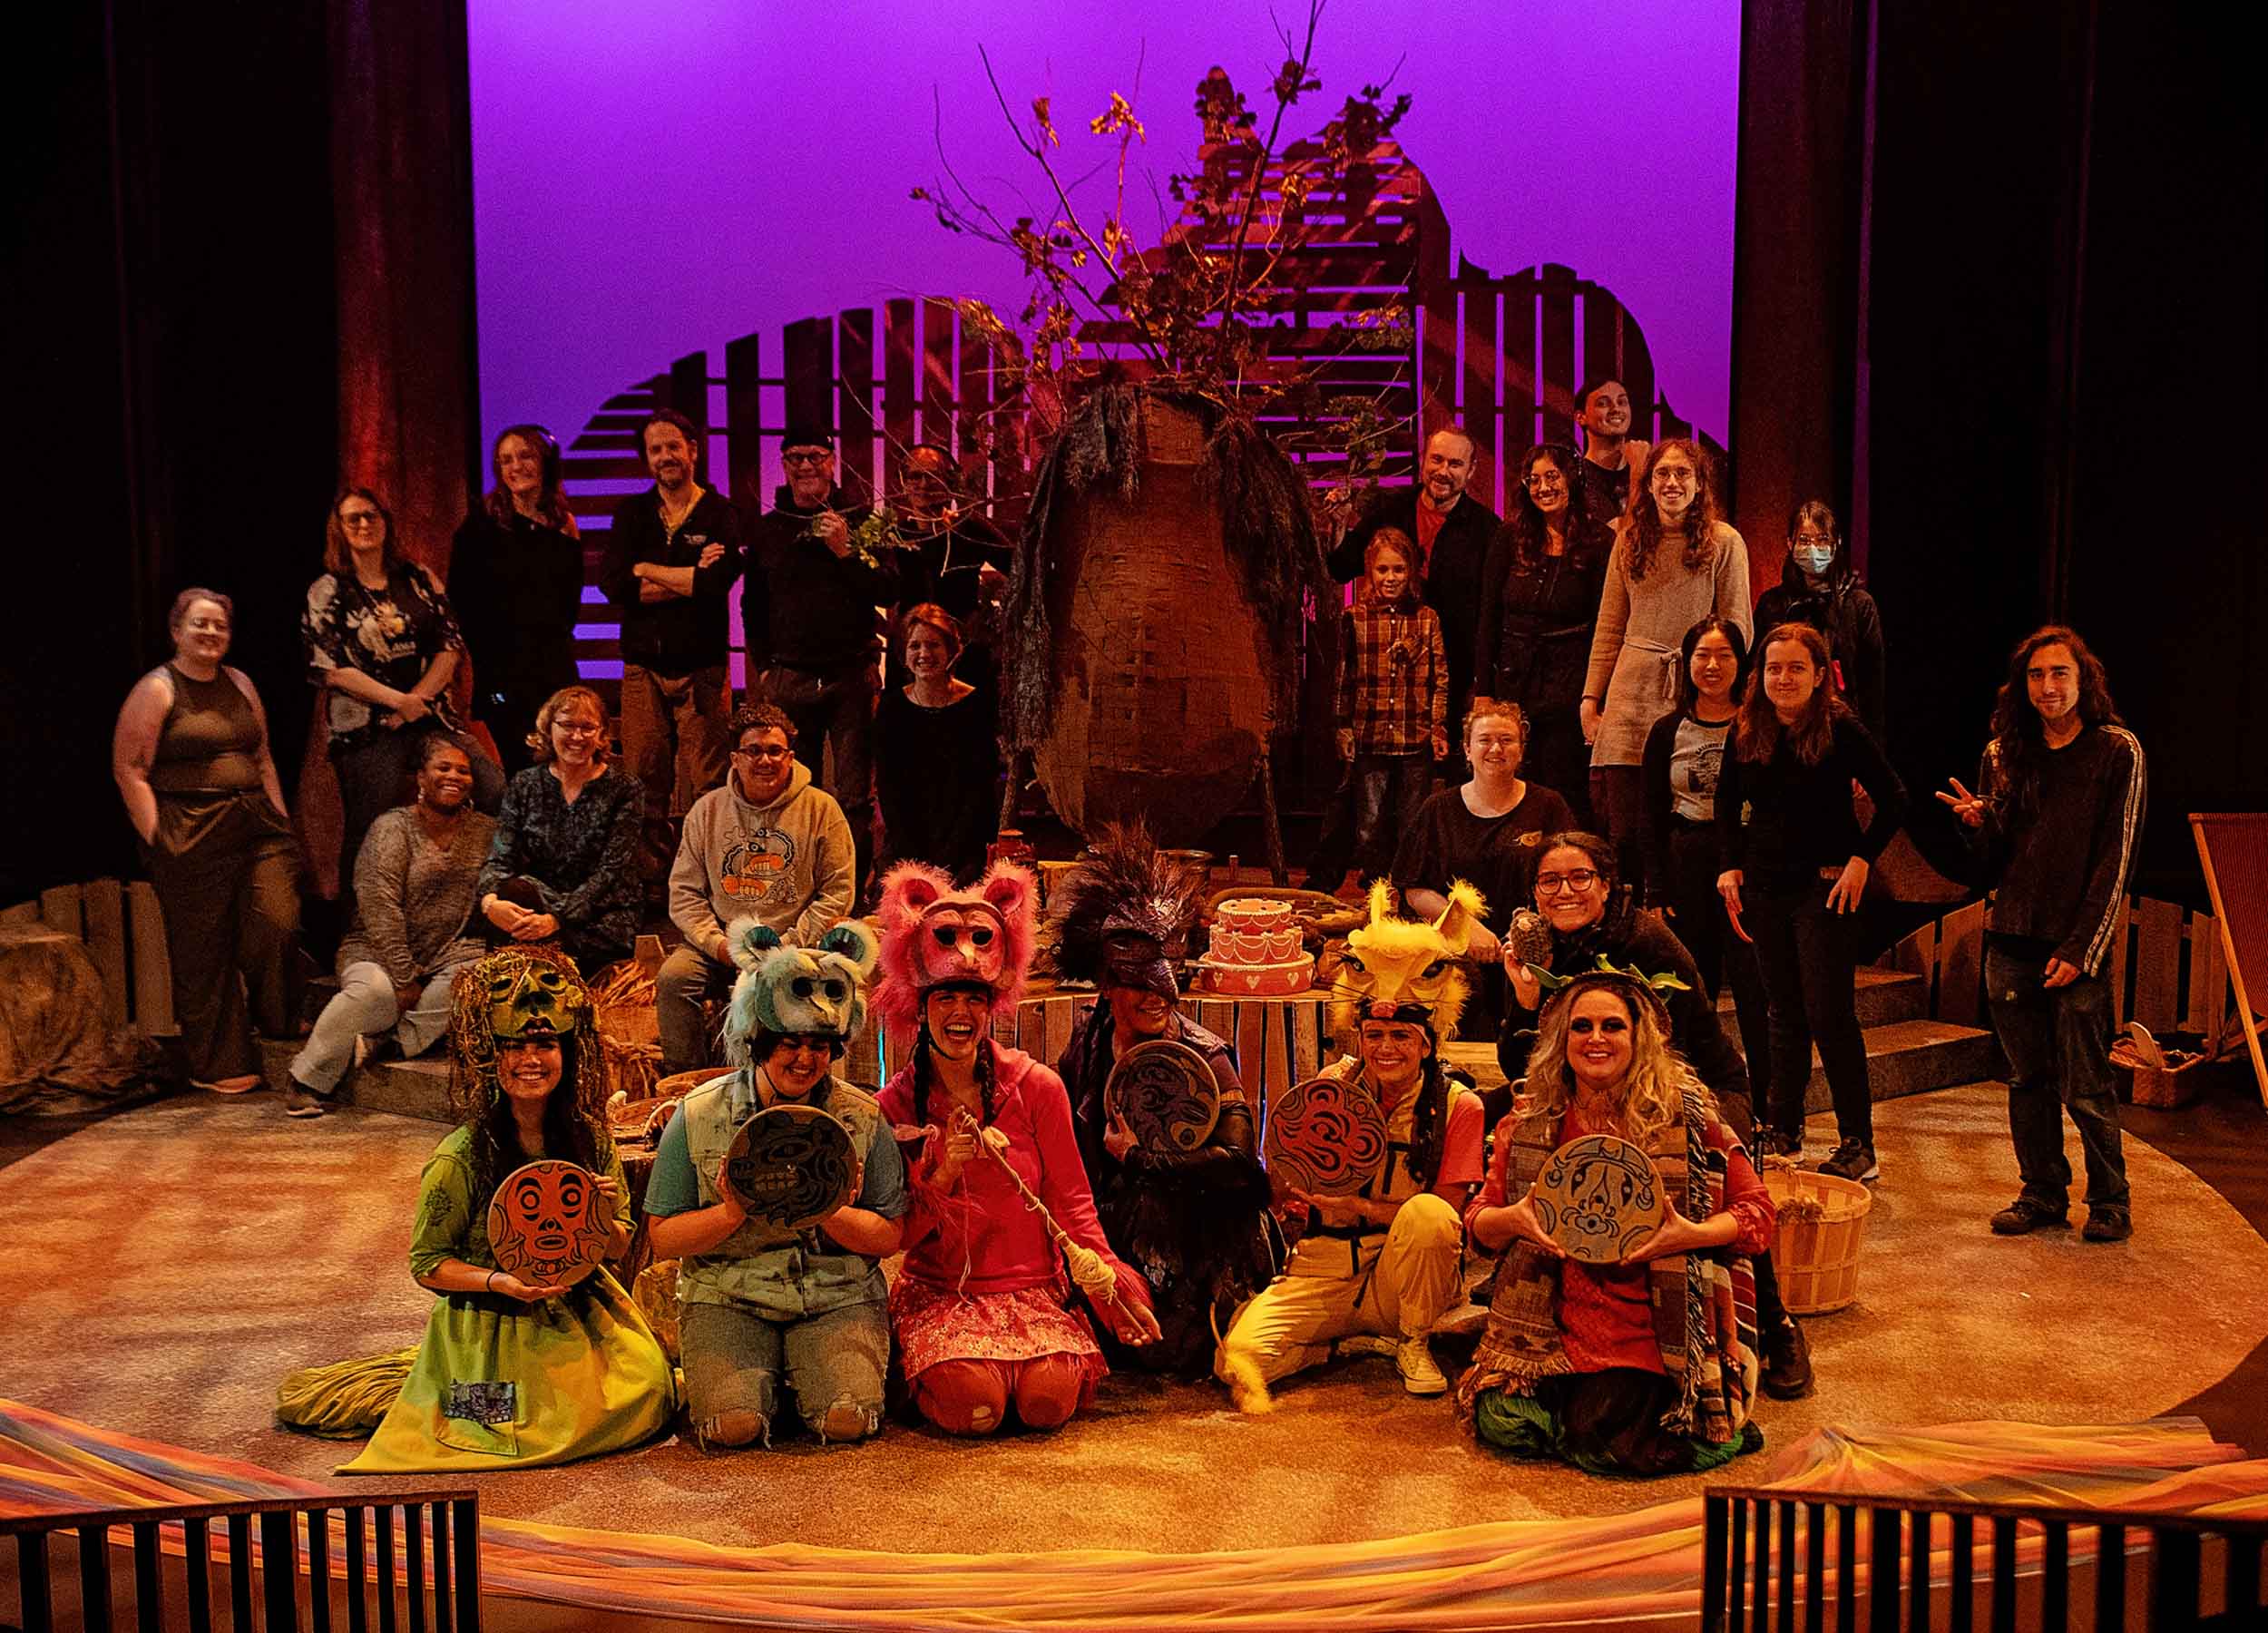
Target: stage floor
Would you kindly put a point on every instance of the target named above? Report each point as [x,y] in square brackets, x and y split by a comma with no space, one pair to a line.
[173,1262]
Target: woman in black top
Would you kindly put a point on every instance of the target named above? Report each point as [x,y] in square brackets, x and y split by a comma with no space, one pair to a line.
[1685,754]
[1818,586]
[383,645]
[936,761]
[1795,864]
[515,578]
[1539,604]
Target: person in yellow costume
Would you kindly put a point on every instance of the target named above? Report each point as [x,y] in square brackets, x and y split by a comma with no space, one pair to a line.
[510,1373]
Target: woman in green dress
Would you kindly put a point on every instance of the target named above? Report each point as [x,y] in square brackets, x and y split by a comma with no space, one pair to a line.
[510,1372]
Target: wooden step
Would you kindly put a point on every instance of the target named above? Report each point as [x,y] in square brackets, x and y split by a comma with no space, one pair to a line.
[418,1088]
[1883,996]
[1913,1057]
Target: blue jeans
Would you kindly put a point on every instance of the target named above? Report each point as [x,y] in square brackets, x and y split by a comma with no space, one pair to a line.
[834,1363]
[2058,1042]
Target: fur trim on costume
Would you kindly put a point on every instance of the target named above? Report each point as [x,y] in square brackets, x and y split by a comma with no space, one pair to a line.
[1126,887]
[819,990]
[933,934]
[1404,963]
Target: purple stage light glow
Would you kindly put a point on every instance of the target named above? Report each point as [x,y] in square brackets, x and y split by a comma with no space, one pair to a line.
[652,180]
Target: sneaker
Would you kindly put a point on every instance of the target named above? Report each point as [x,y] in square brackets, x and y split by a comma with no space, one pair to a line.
[1778,1143]
[2107,1222]
[1368,1344]
[1787,1362]
[300,1100]
[1420,1375]
[1853,1159]
[2024,1216]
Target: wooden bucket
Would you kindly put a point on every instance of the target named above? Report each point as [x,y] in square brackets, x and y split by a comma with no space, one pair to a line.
[1817,1257]
[1160,682]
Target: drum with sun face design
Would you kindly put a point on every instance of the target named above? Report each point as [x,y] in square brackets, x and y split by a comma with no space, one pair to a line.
[1600,1197]
[1326,1136]
[549,1224]
[791,1166]
[1164,1093]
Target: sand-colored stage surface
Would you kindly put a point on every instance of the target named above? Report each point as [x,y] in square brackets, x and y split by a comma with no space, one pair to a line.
[170,1265]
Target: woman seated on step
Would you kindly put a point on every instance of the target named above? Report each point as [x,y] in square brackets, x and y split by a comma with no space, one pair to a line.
[1646,1365]
[412,898]
[564,866]
[511,1371]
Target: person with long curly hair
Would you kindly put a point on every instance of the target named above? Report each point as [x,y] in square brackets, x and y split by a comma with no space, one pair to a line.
[1675,561]
[2056,816]
[1646,1365]
[511,1371]
[982,1310]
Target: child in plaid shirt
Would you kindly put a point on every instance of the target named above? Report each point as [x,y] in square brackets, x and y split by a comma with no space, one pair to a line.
[1393,698]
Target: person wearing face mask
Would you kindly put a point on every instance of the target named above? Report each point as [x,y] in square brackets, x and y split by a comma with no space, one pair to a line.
[515,578]
[1819,586]
[1643,1366]
[2055,817]
[760,1304]
[513,1371]
[1796,864]
[1195,1223]
[1610,454]
[1002,1227]
[1673,561]
[936,757]
[1547,568]
[414,890]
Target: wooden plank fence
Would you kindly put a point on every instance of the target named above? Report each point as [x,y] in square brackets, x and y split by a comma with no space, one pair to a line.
[123,931]
[2167,968]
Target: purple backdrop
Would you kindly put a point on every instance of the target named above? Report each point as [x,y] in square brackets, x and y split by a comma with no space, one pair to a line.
[652,179]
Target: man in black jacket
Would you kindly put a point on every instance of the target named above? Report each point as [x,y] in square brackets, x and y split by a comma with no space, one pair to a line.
[1453,531]
[2058,813]
[809,613]
[670,563]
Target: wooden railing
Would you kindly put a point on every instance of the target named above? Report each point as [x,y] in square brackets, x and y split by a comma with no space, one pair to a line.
[123,933]
[411,1563]
[1773,1561]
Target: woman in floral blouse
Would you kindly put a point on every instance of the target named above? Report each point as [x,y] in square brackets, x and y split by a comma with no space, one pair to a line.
[383,645]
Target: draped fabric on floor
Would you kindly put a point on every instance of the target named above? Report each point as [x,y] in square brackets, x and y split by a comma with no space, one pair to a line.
[1525,1573]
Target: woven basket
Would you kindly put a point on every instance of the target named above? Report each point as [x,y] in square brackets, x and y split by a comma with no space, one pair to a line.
[1817,1258]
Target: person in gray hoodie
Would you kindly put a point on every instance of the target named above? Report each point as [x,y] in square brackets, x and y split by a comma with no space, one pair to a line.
[768,846]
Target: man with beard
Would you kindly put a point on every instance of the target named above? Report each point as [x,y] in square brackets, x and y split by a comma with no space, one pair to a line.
[670,559]
[1194,1223]
[810,615]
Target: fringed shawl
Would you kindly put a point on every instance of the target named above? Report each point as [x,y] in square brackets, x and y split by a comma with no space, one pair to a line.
[1704,1304]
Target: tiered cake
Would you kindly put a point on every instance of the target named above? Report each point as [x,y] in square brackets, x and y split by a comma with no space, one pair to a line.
[1255,950]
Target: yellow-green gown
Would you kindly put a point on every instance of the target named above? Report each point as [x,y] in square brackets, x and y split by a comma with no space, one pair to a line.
[586,1373]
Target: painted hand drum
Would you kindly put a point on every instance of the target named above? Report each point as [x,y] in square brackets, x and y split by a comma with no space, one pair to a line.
[1166,1094]
[1600,1197]
[1326,1136]
[548,1224]
[792,1165]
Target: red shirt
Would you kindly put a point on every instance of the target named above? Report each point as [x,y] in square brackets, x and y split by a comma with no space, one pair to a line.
[1429,528]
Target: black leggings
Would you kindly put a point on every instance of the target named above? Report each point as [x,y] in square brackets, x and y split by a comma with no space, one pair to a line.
[1810,977]
[1724,959]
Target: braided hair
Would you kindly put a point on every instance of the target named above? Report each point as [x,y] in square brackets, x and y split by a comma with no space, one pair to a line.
[1429,1123]
[924,1072]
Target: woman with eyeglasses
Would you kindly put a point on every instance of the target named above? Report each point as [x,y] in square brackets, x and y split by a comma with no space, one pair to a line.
[383,645]
[1820,587]
[1644,1365]
[1685,756]
[1545,570]
[1485,831]
[563,867]
[1673,561]
[516,577]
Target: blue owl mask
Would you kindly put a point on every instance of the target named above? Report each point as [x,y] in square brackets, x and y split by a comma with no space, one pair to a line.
[819,990]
